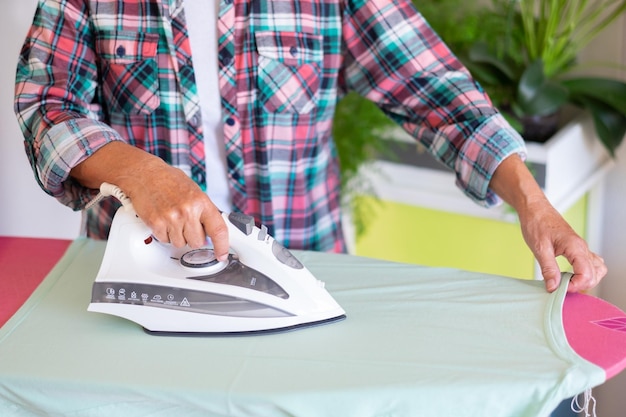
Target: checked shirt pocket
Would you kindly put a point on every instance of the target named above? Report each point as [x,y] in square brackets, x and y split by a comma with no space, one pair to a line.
[289,71]
[129,72]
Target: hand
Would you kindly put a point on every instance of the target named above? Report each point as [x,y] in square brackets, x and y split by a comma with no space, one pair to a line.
[176,209]
[545,231]
[165,198]
[548,235]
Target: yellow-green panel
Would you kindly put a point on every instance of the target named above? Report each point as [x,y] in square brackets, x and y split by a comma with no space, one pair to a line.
[576,216]
[417,235]
[404,233]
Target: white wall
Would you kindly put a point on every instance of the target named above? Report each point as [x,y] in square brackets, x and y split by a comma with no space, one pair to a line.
[611,395]
[612,46]
[25,210]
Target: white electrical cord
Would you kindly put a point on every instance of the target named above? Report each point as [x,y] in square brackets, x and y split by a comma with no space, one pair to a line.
[107,190]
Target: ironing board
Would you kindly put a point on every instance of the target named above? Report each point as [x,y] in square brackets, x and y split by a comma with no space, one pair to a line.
[20,273]
[417,342]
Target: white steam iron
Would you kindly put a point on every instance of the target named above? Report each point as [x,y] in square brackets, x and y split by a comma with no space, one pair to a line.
[261,288]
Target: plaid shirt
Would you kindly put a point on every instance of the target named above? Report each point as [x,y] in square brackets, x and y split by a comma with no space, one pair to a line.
[96,71]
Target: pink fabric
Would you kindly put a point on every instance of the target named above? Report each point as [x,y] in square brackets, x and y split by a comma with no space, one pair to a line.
[24,263]
[596,330]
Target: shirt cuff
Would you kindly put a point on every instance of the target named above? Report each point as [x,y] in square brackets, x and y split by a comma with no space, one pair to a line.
[62,148]
[482,153]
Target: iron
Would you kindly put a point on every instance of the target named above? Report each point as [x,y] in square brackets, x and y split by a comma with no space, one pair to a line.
[261,288]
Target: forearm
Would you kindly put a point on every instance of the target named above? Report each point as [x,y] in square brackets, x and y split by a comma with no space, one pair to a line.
[513,182]
[540,223]
[117,163]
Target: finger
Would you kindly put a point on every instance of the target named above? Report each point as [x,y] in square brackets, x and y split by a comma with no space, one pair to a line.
[170,225]
[581,259]
[549,269]
[579,283]
[552,280]
[582,279]
[587,274]
[600,267]
[176,237]
[216,229]
[159,230]
[194,234]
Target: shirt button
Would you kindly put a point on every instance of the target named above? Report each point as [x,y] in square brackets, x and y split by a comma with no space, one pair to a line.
[120,51]
[199,179]
[195,121]
[226,59]
[228,1]
[293,51]
[230,121]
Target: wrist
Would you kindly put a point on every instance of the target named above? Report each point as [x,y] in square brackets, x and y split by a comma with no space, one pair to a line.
[514,183]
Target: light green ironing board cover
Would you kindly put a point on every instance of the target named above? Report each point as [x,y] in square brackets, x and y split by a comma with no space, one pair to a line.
[417,342]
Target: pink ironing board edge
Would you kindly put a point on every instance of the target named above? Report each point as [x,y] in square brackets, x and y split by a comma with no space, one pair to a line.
[596,330]
[25,263]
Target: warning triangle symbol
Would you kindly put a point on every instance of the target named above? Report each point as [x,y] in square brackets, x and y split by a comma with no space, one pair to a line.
[185,303]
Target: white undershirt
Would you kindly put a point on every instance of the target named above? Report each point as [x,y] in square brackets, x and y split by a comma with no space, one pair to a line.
[201,17]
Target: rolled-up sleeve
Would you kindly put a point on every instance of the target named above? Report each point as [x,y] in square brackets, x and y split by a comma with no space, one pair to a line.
[55,91]
[396,60]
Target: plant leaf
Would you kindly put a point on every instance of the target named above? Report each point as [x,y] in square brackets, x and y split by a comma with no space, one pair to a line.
[531,81]
[609,123]
[486,74]
[537,95]
[479,53]
[549,99]
[356,131]
[608,91]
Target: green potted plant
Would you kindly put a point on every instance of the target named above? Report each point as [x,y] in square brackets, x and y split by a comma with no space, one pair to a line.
[358,129]
[527,64]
